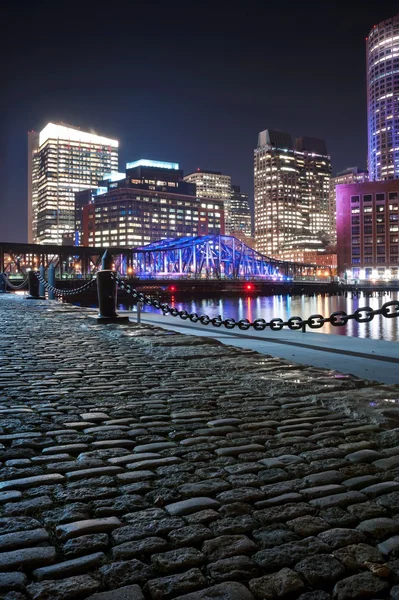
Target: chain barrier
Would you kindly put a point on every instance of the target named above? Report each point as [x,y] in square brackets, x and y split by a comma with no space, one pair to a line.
[60,293]
[14,287]
[389,310]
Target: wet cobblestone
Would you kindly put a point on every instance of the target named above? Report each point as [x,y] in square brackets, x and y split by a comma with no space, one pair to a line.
[141,463]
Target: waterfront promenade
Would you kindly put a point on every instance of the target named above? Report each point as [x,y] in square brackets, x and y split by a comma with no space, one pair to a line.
[376,360]
[141,463]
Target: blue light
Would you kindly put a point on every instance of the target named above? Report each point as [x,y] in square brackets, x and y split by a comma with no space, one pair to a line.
[158,164]
[99,190]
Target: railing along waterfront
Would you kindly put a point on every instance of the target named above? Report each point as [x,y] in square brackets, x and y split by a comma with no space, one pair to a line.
[108,281]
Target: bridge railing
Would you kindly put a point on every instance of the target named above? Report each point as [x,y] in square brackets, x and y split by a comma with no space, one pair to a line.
[108,281]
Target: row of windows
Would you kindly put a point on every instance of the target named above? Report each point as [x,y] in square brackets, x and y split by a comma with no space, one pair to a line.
[393,218]
[368,229]
[370,260]
[368,250]
[379,197]
[394,239]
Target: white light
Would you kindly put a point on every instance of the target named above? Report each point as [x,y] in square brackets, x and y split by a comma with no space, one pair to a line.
[62,132]
[114,176]
[159,164]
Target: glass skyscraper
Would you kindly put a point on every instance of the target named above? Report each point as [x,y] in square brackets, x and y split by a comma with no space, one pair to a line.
[291,191]
[383,100]
[63,160]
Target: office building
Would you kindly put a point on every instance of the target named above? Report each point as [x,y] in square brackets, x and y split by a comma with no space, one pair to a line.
[240,224]
[63,160]
[213,185]
[349,175]
[382,46]
[315,173]
[291,182]
[150,202]
[367,230]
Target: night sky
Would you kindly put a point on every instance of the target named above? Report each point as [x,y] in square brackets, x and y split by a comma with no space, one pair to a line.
[189,82]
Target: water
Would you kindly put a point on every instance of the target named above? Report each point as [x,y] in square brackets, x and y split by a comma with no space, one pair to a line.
[268,307]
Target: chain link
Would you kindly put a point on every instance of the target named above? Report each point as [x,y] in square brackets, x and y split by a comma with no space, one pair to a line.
[14,287]
[366,314]
[59,292]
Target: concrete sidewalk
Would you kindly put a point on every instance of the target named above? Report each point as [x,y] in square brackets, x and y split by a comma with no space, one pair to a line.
[376,360]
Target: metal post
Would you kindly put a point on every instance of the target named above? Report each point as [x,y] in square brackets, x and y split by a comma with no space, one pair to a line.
[303,327]
[107,292]
[139,310]
[51,281]
[2,283]
[33,287]
[42,271]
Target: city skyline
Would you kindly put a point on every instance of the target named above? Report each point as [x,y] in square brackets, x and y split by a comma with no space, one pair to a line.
[207,116]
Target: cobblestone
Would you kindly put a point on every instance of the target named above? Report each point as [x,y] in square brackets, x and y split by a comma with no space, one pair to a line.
[63,589]
[284,583]
[364,585]
[232,488]
[320,571]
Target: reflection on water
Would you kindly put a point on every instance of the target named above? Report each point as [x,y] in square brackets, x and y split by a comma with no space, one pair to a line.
[267,307]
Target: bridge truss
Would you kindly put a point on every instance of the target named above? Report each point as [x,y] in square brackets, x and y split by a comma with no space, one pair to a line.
[214,257]
[202,257]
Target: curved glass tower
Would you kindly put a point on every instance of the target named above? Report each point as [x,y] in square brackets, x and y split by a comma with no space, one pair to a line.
[383,100]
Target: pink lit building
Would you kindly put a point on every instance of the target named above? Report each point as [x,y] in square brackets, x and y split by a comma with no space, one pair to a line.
[367,230]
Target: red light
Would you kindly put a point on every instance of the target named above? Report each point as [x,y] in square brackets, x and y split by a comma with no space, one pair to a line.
[249,287]
[172,288]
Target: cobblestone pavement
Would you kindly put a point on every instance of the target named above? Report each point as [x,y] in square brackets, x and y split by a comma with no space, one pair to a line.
[139,463]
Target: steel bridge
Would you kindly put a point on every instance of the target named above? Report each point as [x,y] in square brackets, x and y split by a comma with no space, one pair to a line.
[211,257]
[202,257]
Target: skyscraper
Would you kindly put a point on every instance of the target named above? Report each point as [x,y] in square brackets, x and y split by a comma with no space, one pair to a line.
[349,175]
[291,190]
[240,215]
[63,160]
[315,173]
[213,185]
[383,100]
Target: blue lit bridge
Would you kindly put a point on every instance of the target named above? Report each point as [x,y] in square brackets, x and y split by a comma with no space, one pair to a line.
[219,257]
[211,257]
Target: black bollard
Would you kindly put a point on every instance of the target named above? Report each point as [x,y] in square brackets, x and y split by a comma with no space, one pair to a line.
[51,281]
[42,272]
[33,287]
[2,283]
[107,293]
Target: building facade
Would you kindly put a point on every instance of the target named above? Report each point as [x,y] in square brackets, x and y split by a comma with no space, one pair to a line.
[240,222]
[382,47]
[349,175]
[291,183]
[367,230]
[213,185]
[151,202]
[63,160]
[315,173]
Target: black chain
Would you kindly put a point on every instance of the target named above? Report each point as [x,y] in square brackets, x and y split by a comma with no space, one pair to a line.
[389,310]
[59,292]
[14,287]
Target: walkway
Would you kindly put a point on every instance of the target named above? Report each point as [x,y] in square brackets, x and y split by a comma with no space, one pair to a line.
[375,360]
[139,463]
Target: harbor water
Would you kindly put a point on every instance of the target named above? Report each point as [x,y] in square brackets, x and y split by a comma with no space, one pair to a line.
[285,306]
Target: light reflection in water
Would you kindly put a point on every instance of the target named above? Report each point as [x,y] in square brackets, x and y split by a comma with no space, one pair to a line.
[268,307]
